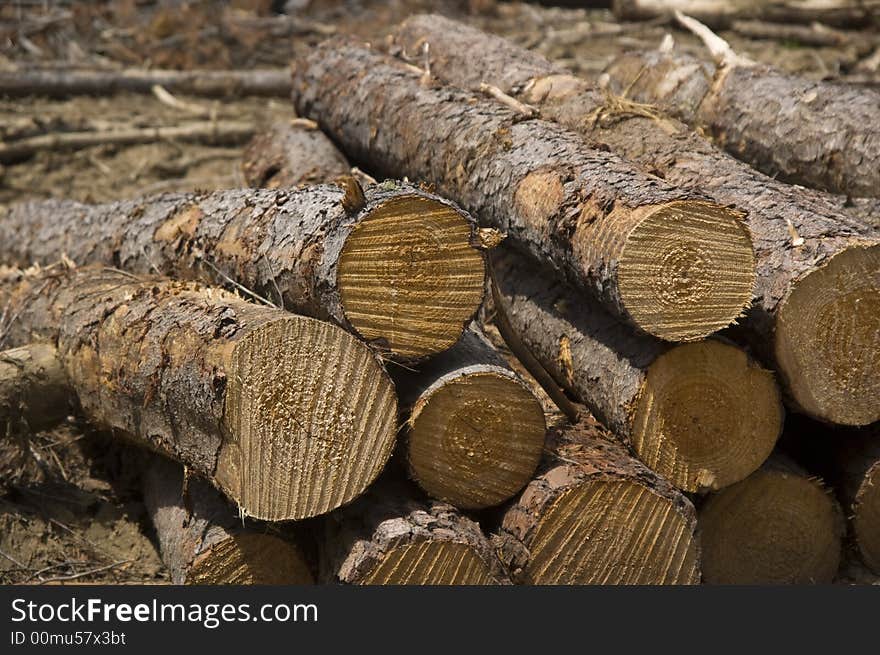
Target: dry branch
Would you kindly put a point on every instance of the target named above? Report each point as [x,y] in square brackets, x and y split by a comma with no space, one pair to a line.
[289,416]
[594,216]
[818,302]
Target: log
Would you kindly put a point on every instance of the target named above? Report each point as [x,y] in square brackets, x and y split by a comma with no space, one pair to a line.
[595,515]
[34,390]
[594,216]
[702,415]
[403,271]
[475,432]
[778,526]
[202,540]
[390,537]
[815,316]
[819,134]
[289,416]
[56,83]
[721,13]
[292,154]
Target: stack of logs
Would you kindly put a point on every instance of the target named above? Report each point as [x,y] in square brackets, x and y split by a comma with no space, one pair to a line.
[312,347]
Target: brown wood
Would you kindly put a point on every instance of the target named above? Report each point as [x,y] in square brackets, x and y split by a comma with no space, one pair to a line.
[595,515]
[402,272]
[289,416]
[34,390]
[592,215]
[811,265]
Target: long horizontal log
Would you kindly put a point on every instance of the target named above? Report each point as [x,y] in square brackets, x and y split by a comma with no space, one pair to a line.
[818,134]
[702,415]
[721,13]
[388,537]
[34,391]
[595,515]
[592,215]
[289,416]
[213,83]
[778,526]
[816,317]
[202,540]
[291,154]
[475,432]
[401,268]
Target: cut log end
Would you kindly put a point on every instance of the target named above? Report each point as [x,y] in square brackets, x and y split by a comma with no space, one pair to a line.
[828,338]
[409,277]
[775,527]
[297,445]
[250,558]
[687,270]
[34,390]
[707,417]
[476,440]
[431,563]
[866,517]
[574,538]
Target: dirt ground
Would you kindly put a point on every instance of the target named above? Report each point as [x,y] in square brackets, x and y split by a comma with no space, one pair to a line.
[69,502]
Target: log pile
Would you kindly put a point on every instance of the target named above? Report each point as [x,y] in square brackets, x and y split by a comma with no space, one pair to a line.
[313,362]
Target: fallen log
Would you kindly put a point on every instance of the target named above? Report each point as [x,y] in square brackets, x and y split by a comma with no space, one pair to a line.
[595,515]
[475,432]
[202,539]
[289,416]
[388,537]
[594,216]
[212,83]
[212,132]
[292,154]
[818,134]
[34,391]
[721,13]
[778,526]
[702,415]
[815,317]
[402,271]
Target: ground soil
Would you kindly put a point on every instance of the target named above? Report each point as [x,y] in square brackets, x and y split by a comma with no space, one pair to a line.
[70,509]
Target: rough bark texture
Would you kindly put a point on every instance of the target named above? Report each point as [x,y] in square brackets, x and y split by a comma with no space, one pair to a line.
[778,214]
[475,432]
[213,83]
[288,246]
[235,391]
[687,410]
[292,154]
[34,390]
[818,134]
[778,526]
[573,206]
[720,13]
[202,539]
[595,515]
[389,537]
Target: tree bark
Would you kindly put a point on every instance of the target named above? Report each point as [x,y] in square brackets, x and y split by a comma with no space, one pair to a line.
[292,154]
[34,390]
[778,526]
[702,415]
[815,317]
[402,271]
[720,13]
[595,515]
[212,83]
[203,541]
[593,216]
[289,416]
[388,537]
[475,432]
[817,134]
